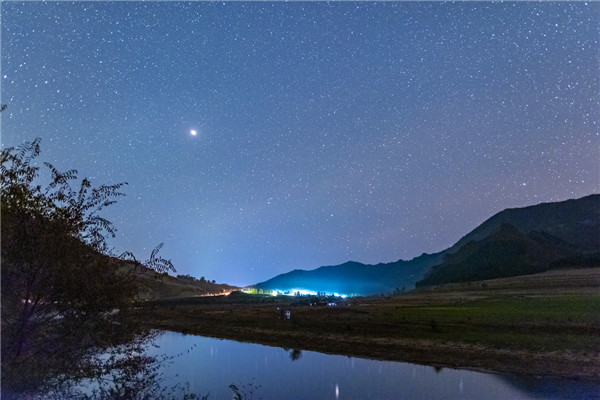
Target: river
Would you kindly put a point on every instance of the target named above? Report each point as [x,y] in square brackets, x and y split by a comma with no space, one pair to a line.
[211,365]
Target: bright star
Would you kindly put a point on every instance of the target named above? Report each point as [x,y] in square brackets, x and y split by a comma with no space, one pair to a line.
[193,132]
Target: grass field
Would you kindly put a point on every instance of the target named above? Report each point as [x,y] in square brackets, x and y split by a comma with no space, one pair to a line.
[545,324]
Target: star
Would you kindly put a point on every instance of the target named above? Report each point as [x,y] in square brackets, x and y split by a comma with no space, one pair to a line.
[410,133]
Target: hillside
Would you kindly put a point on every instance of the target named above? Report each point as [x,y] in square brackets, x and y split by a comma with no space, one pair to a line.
[525,241]
[155,286]
[356,278]
[505,252]
[576,221]
[513,242]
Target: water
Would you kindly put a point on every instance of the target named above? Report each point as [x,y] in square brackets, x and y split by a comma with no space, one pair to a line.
[262,372]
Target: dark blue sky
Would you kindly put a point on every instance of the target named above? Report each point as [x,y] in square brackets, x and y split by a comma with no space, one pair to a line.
[327,132]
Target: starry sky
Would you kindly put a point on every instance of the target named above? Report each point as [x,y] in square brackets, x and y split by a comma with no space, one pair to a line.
[325,131]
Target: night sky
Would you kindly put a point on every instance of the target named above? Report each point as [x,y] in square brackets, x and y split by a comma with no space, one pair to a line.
[325,132]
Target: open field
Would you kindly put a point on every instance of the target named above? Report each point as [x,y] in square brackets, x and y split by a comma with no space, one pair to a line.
[546,324]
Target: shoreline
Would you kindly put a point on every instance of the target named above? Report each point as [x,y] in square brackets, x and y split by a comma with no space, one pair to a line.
[544,325]
[436,354]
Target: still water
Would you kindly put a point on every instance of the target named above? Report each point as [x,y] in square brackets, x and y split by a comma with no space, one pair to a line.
[211,365]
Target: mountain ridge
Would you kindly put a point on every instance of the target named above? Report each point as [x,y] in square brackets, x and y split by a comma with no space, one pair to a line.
[577,208]
[573,222]
[504,253]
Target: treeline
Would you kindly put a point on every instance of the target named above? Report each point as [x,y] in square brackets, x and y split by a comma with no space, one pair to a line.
[193,279]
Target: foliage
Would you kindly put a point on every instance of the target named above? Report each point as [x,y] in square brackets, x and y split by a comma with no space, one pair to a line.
[156,263]
[187,277]
[76,211]
[63,296]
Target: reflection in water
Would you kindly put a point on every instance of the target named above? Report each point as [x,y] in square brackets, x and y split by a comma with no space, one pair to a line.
[175,366]
[116,368]
[295,354]
[556,388]
[132,375]
[248,391]
[61,354]
[214,364]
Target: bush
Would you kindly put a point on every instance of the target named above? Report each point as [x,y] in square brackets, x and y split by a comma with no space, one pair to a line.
[57,282]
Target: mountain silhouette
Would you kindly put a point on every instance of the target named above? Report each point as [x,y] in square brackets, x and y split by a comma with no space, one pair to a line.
[513,242]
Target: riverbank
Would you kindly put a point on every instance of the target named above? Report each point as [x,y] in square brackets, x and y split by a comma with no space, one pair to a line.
[518,326]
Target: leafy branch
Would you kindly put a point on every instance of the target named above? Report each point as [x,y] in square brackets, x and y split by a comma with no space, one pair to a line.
[155,262]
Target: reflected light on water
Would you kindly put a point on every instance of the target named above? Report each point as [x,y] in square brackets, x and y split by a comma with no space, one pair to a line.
[273,373]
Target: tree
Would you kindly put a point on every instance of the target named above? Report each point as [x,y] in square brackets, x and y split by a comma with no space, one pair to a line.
[156,263]
[76,211]
[58,282]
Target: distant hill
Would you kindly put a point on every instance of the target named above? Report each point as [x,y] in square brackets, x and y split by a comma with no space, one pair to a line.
[575,221]
[161,286]
[525,241]
[512,242]
[356,278]
[505,252]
